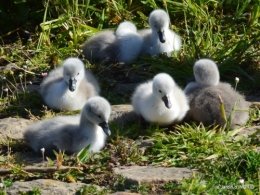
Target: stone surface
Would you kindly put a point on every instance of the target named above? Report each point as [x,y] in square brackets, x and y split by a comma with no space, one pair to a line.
[151,174]
[13,128]
[47,187]
[249,131]
[123,114]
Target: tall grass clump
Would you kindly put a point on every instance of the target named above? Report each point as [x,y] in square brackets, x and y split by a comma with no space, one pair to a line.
[226,31]
[220,158]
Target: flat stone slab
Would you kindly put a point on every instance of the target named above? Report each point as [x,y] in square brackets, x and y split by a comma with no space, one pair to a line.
[123,114]
[249,131]
[13,128]
[47,187]
[135,175]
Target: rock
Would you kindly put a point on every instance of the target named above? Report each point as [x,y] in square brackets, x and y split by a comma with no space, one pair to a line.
[13,128]
[123,114]
[249,131]
[47,187]
[135,175]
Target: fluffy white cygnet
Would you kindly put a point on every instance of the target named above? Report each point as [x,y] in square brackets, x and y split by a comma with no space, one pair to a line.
[129,42]
[159,38]
[69,87]
[100,48]
[204,97]
[73,133]
[160,101]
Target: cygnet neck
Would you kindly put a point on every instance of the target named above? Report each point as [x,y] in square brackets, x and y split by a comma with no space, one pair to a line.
[84,121]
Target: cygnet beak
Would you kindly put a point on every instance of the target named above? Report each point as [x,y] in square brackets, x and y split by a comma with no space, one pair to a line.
[105,127]
[72,84]
[161,36]
[167,101]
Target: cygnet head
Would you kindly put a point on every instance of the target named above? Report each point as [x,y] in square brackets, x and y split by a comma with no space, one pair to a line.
[162,88]
[97,110]
[73,72]
[125,27]
[159,21]
[206,72]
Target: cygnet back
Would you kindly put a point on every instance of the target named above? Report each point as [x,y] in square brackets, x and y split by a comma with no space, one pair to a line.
[205,107]
[204,98]
[100,48]
[129,42]
[73,133]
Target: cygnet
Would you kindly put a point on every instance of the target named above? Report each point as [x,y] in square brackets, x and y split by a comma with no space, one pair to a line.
[129,42]
[73,133]
[204,96]
[160,101]
[100,48]
[69,87]
[206,74]
[159,38]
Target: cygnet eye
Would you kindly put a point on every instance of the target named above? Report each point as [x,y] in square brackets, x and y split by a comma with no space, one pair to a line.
[67,74]
[78,73]
[99,116]
[160,91]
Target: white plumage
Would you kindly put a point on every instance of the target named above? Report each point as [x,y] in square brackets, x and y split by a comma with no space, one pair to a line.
[73,133]
[159,38]
[129,42]
[160,101]
[69,87]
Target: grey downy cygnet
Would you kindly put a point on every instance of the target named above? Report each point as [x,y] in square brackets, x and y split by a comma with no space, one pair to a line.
[100,48]
[73,133]
[129,42]
[204,97]
[159,38]
[69,87]
[160,101]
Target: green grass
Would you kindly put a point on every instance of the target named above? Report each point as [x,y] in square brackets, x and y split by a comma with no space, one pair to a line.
[226,31]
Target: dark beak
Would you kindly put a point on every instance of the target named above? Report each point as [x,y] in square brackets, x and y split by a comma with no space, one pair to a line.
[166,101]
[105,128]
[72,84]
[161,36]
